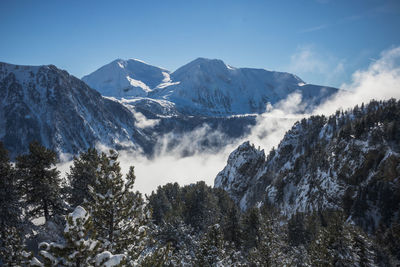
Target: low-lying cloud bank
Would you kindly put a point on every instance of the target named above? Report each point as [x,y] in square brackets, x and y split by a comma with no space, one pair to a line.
[380,81]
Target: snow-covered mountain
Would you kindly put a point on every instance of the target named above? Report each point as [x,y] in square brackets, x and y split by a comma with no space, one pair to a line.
[349,162]
[211,87]
[47,104]
[126,78]
[206,87]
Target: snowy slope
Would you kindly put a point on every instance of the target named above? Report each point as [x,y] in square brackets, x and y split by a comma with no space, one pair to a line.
[126,78]
[210,87]
[206,87]
[348,161]
[47,104]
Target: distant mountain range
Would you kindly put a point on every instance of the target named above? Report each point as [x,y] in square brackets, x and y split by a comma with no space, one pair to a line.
[207,87]
[137,104]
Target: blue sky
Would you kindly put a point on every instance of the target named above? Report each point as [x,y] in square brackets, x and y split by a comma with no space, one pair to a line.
[322,41]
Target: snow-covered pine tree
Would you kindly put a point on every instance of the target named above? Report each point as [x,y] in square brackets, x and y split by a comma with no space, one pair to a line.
[271,247]
[40,180]
[120,215]
[210,250]
[79,248]
[83,173]
[341,244]
[12,250]
[183,242]
[214,251]
[362,247]
[319,251]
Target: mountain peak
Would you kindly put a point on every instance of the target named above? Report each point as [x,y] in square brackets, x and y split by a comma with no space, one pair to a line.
[126,78]
[201,61]
[243,164]
[134,61]
[201,67]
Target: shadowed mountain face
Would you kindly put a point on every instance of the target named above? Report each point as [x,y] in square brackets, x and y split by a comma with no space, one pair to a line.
[47,104]
[206,87]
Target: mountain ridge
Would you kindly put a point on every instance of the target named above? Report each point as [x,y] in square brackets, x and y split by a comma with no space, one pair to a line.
[46,104]
[209,87]
[340,162]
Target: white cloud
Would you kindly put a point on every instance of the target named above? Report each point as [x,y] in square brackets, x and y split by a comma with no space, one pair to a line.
[272,125]
[163,169]
[308,61]
[171,164]
[380,81]
[142,121]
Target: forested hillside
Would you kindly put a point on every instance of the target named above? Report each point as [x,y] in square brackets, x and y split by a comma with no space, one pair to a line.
[327,196]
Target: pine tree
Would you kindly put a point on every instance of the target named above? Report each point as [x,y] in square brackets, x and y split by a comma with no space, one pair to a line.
[40,180]
[181,242]
[362,247]
[79,248]
[10,208]
[297,232]
[341,244]
[12,250]
[120,216]
[211,249]
[270,248]
[319,249]
[232,227]
[251,225]
[200,206]
[82,174]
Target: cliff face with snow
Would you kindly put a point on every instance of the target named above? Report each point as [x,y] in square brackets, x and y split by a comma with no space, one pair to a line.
[206,87]
[47,104]
[241,170]
[348,161]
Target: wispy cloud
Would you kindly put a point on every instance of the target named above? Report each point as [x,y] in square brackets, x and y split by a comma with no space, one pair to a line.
[389,7]
[314,29]
[380,81]
[308,60]
[340,21]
